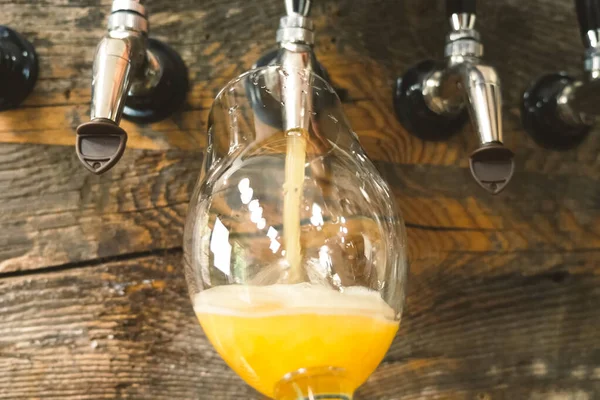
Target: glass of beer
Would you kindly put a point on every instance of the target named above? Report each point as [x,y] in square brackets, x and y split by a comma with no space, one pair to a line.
[294,251]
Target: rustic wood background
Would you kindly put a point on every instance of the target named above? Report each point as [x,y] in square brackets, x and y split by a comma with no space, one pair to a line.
[504,294]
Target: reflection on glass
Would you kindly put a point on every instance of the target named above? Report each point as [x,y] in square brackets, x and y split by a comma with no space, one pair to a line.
[294,251]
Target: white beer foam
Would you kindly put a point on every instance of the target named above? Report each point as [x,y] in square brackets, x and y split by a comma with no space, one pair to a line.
[302,298]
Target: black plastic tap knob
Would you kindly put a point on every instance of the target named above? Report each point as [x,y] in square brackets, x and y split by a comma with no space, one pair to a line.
[412,109]
[541,118]
[18,68]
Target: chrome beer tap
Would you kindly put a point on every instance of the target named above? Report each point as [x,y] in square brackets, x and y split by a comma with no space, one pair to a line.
[133,76]
[431,99]
[296,38]
[558,111]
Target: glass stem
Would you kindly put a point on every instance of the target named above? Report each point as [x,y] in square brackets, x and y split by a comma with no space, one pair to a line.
[308,395]
[314,384]
[319,397]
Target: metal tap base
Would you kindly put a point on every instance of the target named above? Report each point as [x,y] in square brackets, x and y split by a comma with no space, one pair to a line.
[540,116]
[413,112]
[18,68]
[168,95]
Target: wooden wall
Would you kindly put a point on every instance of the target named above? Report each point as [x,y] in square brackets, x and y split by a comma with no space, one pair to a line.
[504,292]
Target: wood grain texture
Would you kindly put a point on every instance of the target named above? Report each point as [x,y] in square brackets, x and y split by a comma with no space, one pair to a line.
[53,213]
[484,330]
[503,291]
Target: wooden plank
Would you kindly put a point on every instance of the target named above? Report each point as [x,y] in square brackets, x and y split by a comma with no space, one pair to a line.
[54,213]
[124,330]
[380,134]
[488,328]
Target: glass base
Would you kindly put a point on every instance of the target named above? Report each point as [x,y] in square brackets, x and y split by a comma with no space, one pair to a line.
[314,384]
[325,396]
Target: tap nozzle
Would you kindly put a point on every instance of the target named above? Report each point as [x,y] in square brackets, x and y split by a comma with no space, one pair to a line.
[134,76]
[295,54]
[296,37]
[491,164]
[432,99]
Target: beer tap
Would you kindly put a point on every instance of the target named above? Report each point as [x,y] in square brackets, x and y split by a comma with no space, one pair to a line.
[431,99]
[296,38]
[134,76]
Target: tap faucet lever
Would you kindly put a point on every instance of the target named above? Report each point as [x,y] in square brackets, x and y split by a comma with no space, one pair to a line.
[461,13]
[558,110]
[434,99]
[460,7]
[301,7]
[136,77]
[588,16]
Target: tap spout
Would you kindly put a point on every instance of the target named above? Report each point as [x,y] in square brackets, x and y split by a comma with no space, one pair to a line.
[492,164]
[466,83]
[119,59]
[481,87]
[469,84]
[296,37]
[116,60]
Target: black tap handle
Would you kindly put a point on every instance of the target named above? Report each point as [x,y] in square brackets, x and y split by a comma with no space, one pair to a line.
[301,7]
[460,7]
[18,68]
[588,15]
